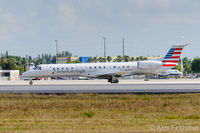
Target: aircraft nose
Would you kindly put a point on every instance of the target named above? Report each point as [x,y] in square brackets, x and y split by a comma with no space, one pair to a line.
[25,74]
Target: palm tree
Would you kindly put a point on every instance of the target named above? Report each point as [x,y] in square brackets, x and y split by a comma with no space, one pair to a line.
[132,59]
[118,59]
[94,59]
[100,59]
[137,58]
[126,58]
[90,60]
[187,65]
[109,58]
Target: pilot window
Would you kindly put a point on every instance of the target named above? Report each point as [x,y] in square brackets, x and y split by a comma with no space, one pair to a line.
[37,68]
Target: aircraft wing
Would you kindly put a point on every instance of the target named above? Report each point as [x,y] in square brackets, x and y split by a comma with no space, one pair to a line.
[107,74]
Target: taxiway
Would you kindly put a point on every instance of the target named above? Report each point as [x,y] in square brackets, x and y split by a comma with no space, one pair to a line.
[101,86]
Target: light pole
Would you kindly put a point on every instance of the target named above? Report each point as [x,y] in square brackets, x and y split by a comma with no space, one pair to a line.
[123,52]
[104,41]
[56,51]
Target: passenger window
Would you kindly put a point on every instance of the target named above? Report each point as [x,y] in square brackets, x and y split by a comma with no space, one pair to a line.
[127,66]
[99,67]
[95,67]
[72,68]
[104,67]
[57,69]
[123,66]
[114,67]
[90,67]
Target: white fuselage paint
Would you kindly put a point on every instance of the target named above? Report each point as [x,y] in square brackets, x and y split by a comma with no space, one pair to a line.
[96,70]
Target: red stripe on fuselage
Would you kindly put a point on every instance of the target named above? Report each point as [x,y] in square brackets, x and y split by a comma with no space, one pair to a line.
[175,61]
[168,65]
[178,48]
[175,57]
[177,53]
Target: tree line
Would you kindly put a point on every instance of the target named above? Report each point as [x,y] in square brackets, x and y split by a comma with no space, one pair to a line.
[9,62]
[118,59]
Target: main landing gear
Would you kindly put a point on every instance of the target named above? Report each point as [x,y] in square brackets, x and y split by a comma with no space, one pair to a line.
[146,78]
[113,80]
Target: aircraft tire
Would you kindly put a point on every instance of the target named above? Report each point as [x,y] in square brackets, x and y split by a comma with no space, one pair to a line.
[109,80]
[31,82]
[115,81]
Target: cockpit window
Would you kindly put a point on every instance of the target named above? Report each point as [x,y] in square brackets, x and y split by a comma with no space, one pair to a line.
[37,68]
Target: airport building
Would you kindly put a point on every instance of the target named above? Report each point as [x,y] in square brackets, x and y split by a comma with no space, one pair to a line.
[84,59]
[64,60]
[9,74]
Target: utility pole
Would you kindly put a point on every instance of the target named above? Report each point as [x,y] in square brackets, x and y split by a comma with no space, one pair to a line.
[104,41]
[56,51]
[123,56]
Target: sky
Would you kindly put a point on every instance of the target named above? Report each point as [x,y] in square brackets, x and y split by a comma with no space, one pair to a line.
[150,27]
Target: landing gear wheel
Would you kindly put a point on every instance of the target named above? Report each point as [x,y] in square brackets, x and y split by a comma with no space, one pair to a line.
[146,78]
[31,82]
[115,81]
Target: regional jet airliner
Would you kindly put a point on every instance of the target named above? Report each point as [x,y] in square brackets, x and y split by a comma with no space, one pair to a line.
[110,71]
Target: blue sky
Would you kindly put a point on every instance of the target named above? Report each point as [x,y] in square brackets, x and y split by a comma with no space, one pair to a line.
[150,27]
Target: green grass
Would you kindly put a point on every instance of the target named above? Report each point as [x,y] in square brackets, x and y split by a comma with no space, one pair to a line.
[99,113]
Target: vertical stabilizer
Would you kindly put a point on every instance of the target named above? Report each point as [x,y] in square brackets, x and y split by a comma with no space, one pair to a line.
[174,54]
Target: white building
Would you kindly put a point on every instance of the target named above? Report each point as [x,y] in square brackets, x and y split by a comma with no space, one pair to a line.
[9,74]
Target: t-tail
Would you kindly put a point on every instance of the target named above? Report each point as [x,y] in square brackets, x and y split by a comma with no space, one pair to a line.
[172,57]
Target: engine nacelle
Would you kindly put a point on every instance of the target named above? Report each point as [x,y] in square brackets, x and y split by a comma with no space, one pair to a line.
[149,64]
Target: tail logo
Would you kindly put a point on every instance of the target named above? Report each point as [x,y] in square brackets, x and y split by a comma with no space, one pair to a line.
[172,57]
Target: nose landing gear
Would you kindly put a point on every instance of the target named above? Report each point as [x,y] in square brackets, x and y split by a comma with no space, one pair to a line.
[31,82]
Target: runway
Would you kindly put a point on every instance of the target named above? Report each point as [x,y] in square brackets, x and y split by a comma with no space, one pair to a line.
[103,88]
